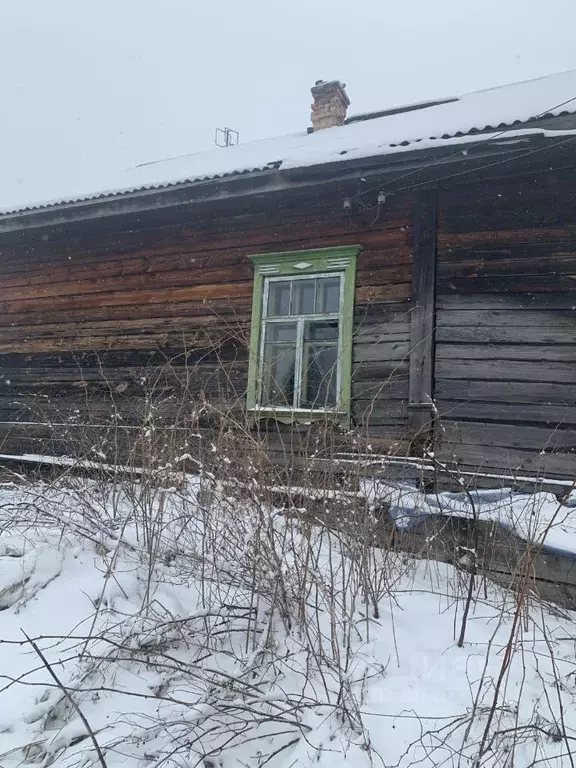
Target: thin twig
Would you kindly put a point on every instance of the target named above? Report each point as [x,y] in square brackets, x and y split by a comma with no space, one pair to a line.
[68,695]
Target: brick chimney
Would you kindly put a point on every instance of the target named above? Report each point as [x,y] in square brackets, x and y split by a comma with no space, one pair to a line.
[330,104]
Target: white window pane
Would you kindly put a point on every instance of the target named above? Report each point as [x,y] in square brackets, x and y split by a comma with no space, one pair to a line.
[278,374]
[328,295]
[320,375]
[299,364]
[281,332]
[303,293]
[279,298]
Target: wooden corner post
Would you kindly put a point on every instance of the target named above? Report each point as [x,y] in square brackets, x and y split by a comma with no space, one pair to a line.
[422,320]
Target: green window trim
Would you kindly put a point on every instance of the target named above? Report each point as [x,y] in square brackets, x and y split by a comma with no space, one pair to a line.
[340,260]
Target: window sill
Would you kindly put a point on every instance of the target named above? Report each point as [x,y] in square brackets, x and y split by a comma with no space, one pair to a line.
[301,416]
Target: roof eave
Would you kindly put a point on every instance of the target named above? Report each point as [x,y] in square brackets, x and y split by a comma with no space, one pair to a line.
[427,161]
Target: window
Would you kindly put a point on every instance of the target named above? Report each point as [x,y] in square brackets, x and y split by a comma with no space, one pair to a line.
[301,342]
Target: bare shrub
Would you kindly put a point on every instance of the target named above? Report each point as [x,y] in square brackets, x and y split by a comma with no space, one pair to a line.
[292,562]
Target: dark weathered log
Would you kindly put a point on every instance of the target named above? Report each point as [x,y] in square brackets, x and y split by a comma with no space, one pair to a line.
[510,461]
[422,316]
[549,283]
[387,389]
[506,391]
[514,334]
[562,318]
[501,555]
[500,236]
[505,370]
[378,351]
[560,438]
[533,352]
[535,413]
[381,371]
[516,303]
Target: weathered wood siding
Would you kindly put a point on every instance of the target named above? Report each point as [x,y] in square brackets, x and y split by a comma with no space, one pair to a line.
[505,355]
[83,315]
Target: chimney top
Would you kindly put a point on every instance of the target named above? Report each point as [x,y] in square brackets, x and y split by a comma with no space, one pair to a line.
[330,104]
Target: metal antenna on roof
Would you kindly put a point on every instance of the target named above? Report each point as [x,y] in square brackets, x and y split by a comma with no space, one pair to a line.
[226,137]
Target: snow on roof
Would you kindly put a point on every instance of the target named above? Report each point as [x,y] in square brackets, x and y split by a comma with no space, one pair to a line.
[433,123]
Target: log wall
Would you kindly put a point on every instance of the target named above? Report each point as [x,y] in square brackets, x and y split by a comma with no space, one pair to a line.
[84,316]
[505,356]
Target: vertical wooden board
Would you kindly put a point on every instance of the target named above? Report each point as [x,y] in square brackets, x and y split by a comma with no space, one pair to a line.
[422,315]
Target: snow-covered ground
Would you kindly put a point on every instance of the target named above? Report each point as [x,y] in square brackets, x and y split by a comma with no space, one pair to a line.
[180,627]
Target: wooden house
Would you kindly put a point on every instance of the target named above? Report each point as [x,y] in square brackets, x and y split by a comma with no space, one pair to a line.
[408,275]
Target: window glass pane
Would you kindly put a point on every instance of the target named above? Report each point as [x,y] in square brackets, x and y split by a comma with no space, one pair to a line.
[280,332]
[320,330]
[278,298]
[328,295]
[303,292]
[319,375]
[278,374]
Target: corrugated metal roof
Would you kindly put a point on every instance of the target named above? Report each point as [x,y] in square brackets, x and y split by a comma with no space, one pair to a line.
[511,108]
[134,190]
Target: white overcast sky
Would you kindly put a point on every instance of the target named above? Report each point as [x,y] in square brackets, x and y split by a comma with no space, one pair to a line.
[94,85]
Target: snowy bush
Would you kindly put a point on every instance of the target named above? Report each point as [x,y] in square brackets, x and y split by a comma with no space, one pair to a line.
[180,626]
[172,598]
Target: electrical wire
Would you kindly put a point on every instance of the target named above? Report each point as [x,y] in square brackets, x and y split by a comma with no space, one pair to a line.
[491,137]
[531,152]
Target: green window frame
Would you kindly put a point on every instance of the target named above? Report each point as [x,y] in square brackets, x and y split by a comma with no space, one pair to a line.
[321,266]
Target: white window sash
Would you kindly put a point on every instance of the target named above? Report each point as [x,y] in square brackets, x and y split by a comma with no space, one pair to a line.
[300,321]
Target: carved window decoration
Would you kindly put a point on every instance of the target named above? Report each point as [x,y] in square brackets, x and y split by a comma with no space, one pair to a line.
[301,342]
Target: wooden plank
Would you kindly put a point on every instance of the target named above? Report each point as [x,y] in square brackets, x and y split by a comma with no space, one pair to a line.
[537,412]
[388,390]
[394,292]
[524,184]
[565,318]
[422,315]
[398,335]
[58,381]
[381,312]
[29,268]
[202,325]
[380,413]
[530,302]
[382,333]
[506,391]
[204,242]
[506,370]
[394,351]
[381,370]
[563,264]
[548,212]
[501,284]
[141,282]
[499,237]
[501,554]
[539,204]
[172,342]
[384,276]
[532,352]
[512,461]
[376,265]
[495,254]
[206,308]
[115,298]
[301,216]
[529,438]
[513,334]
